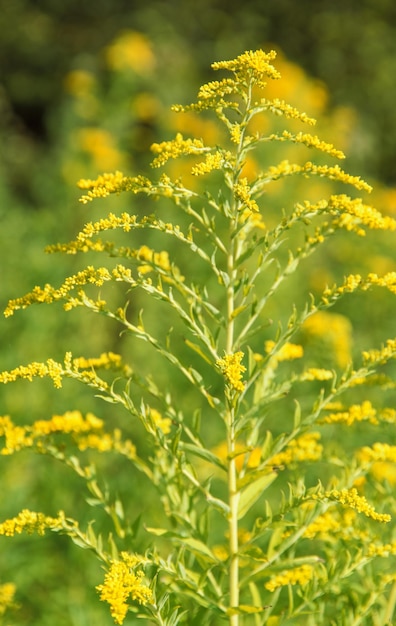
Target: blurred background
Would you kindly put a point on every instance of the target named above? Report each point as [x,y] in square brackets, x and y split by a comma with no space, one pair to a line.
[85,87]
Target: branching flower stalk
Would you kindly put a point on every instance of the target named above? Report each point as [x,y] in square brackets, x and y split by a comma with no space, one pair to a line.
[256,501]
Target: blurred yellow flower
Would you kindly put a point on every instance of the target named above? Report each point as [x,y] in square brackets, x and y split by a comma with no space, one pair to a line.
[297,576]
[331,335]
[79,83]
[100,145]
[7,592]
[131,50]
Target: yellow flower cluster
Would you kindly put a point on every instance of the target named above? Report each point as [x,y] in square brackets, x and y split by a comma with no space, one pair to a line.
[131,50]
[354,212]
[159,259]
[311,141]
[385,550]
[355,413]
[377,452]
[356,281]
[251,220]
[280,107]
[232,369]
[316,373]
[382,355]
[49,294]
[351,214]
[297,576]
[83,242]
[331,333]
[107,360]
[252,66]
[7,593]
[176,147]
[333,525]
[213,161]
[107,442]
[211,92]
[124,582]
[249,68]
[304,448]
[50,369]
[236,132]
[339,202]
[87,433]
[351,498]
[288,352]
[326,524]
[163,423]
[56,371]
[107,184]
[30,522]
[242,193]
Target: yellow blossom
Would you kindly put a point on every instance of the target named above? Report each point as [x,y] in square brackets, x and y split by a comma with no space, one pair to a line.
[380,356]
[87,433]
[249,68]
[232,369]
[384,470]
[297,576]
[355,413]
[356,281]
[123,582]
[311,141]
[107,360]
[30,522]
[174,148]
[304,448]
[242,192]
[79,83]
[280,107]
[35,370]
[213,161]
[159,259]
[163,423]
[109,183]
[315,373]
[377,452]
[252,66]
[131,50]
[384,550]
[100,146]
[351,498]
[325,524]
[288,352]
[50,294]
[235,133]
[329,334]
[7,593]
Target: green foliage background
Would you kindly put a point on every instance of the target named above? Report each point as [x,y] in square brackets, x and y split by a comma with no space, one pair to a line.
[348,46]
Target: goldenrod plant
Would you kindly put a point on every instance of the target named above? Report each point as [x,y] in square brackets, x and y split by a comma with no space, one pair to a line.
[273,467]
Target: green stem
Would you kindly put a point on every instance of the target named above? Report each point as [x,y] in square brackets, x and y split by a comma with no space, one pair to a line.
[233,493]
[233,521]
[231,439]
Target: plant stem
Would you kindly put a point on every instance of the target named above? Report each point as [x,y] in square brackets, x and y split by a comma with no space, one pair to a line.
[231,443]
[233,522]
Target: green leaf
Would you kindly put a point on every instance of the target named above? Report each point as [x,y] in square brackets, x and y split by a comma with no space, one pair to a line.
[297,416]
[198,350]
[253,491]
[156,531]
[245,609]
[205,454]
[198,547]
